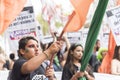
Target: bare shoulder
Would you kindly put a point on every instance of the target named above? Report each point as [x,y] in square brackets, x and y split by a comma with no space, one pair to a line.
[115,61]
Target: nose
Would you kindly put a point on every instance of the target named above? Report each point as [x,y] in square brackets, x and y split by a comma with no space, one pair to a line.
[81,52]
[36,48]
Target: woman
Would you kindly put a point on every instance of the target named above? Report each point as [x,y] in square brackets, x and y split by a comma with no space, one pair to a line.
[115,64]
[71,70]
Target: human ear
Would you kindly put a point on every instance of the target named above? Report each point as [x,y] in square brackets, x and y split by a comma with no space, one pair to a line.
[22,51]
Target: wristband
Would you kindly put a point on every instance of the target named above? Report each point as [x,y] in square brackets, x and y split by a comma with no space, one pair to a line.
[46,54]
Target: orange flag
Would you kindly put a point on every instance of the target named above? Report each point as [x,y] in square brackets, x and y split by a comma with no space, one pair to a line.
[79,15]
[106,63]
[118,2]
[9,9]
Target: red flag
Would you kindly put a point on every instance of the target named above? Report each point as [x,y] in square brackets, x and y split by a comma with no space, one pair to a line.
[78,16]
[9,9]
[105,67]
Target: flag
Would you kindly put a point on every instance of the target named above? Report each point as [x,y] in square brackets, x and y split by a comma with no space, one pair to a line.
[78,17]
[105,66]
[118,2]
[9,9]
[93,33]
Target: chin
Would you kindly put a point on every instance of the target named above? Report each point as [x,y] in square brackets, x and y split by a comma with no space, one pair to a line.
[36,54]
[80,57]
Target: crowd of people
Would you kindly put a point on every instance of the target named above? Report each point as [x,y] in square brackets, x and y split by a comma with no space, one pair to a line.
[34,60]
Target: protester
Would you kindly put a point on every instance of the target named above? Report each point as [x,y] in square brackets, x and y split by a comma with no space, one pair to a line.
[12,56]
[60,58]
[29,65]
[5,62]
[94,63]
[102,53]
[115,64]
[97,46]
[71,70]
[2,61]
[65,49]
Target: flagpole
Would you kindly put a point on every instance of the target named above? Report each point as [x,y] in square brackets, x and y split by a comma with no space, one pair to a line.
[93,33]
[63,31]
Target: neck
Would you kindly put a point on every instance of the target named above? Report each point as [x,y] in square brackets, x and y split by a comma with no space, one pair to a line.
[77,63]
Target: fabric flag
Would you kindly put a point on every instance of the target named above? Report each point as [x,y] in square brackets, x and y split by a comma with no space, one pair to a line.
[9,9]
[93,33]
[118,2]
[106,63]
[105,66]
[78,16]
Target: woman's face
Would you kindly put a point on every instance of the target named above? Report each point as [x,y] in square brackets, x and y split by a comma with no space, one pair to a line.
[31,49]
[78,52]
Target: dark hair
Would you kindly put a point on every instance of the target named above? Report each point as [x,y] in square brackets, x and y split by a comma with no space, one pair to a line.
[116,53]
[69,61]
[23,41]
[97,41]
[97,47]
[12,56]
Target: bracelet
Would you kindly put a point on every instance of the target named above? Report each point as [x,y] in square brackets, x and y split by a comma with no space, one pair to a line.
[46,54]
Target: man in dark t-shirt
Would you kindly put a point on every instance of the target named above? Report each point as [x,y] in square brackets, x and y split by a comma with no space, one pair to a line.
[29,65]
[38,74]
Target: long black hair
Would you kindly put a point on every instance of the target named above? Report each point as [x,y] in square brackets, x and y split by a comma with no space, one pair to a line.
[69,61]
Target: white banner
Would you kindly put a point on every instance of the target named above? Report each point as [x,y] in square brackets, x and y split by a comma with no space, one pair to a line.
[23,25]
[114,22]
[75,37]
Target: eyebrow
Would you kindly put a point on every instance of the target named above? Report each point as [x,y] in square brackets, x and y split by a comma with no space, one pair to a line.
[32,45]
